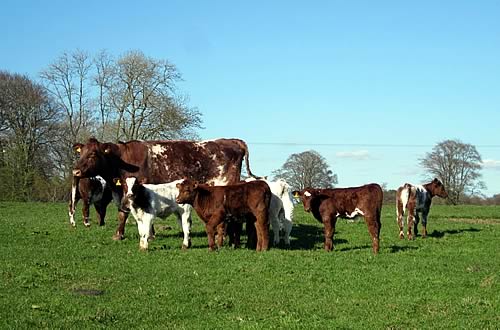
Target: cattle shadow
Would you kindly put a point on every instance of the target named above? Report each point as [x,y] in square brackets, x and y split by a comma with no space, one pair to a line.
[398,248]
[306,237]
[442,233]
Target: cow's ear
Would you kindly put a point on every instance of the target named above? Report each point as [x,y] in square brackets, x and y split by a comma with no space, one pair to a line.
[77,147]
[107,148]
[117,182]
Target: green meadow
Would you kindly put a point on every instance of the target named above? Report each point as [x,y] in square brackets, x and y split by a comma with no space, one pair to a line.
[56,276]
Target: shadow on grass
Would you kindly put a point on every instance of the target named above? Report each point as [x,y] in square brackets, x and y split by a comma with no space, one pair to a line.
[440,234]
[308,236]
[398,248]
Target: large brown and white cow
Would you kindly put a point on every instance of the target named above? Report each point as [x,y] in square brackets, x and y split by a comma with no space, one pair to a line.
[215,204]
[215,161]
[329,204]
[414,199]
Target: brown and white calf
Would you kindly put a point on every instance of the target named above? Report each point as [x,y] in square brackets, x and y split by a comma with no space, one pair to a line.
[280,210]
[147,201]
[413,199]
[215,204]
[329,204]
[93,190]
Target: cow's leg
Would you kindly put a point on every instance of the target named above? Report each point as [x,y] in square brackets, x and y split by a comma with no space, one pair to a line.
[211,226]
[411,216]
[101,212]
[86,211]
[262,229]
[287,229]
[144,226]
[221,231]
[329,230]
[72,204]
[120,231]
[415,224]
[373,223]
[275,225]
[251,233]
[238,226]
[185,221]
[425,214]
[400,213]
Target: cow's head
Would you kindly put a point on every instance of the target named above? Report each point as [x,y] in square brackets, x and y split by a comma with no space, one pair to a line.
[187,191]
[96,158]
[306,196]
[437,188]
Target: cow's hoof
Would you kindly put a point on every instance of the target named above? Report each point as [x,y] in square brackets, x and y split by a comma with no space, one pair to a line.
[117,237]
[184,246]
[86,224]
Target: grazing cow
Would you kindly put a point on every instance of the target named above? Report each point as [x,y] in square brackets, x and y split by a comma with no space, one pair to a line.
[415,199]
[280,210]
[93,190]
[329,204]
[216,161]
[213,204]
[147,201]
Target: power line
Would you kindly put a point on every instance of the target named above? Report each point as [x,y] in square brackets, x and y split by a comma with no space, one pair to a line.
[367,145]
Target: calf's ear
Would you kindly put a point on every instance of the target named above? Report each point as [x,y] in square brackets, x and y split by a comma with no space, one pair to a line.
[296,193]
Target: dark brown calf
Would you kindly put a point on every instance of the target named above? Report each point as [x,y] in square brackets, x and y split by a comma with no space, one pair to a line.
[214,204]
[93,190]
[329,204]
[414,199]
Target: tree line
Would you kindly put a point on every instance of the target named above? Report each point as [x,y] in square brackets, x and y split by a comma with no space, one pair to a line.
[79,95]
[134,96]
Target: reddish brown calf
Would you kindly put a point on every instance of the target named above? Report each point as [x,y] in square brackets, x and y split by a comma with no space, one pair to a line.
[214,204]
[329,204]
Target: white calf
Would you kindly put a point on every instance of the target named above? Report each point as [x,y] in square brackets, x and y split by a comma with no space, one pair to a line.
[147,201]
[280,210]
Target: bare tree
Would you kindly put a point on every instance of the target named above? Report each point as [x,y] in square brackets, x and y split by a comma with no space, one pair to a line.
[68,81]
[104,66]
[457,165]
[29,122]
[307,169]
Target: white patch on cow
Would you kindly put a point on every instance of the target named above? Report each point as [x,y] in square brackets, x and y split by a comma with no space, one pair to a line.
[355,213]
[307,194]
[405,194]
[130,183]
[94,198]
[72,211]
[422,197]
[157,149]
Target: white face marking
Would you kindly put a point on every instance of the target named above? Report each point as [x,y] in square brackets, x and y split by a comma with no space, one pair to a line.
[130,183]
[157,149]
[307,194]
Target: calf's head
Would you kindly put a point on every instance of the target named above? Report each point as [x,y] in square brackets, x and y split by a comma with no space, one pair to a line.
[437,188]
[187,191]
[132,190]
[306,196]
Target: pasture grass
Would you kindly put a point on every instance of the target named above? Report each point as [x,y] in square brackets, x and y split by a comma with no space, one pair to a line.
[55,276]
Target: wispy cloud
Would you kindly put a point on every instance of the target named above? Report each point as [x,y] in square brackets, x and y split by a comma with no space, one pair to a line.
[491,164]
[356,155]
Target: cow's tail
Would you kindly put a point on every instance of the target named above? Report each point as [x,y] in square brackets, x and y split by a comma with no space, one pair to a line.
[247,162]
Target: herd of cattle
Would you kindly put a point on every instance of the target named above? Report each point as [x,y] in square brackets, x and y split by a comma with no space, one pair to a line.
[158,178]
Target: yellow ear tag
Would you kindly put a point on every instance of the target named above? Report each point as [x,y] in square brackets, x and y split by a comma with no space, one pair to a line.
[78,149]
[296,195]
[118,183]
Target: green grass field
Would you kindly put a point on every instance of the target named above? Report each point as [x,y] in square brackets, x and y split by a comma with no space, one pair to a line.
[54,276]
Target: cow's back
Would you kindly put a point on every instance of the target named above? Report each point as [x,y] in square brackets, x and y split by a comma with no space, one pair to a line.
[217,161]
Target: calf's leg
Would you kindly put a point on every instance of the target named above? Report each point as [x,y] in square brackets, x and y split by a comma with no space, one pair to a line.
[120,231]
[373,224]
[329,230]
[85,211]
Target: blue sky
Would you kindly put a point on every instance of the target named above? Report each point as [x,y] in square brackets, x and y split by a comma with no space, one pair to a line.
[370,85]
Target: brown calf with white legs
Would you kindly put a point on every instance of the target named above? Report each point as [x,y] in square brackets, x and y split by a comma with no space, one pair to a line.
[329,204]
